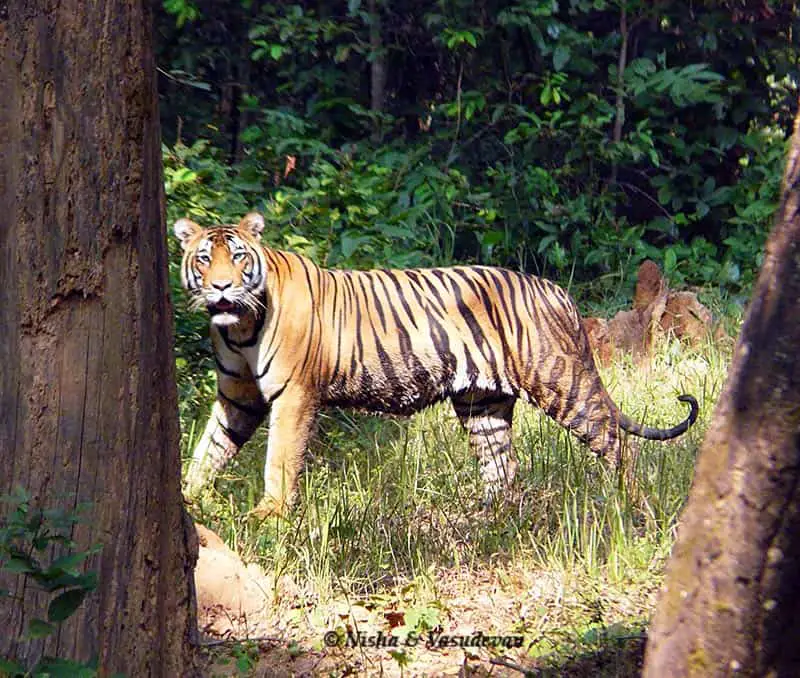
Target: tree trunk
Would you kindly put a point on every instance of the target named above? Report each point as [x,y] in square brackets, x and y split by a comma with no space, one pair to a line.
[88,405]
[731,599]
[377,71]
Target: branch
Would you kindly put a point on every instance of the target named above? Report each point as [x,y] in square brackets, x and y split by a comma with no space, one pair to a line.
[500,661]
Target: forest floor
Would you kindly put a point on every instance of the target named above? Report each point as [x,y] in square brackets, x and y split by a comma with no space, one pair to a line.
[512,621]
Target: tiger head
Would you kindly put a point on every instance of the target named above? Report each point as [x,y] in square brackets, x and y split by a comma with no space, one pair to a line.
[223,267]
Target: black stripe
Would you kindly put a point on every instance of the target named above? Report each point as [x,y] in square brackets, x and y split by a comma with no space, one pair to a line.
[510,323]
[236,438]
[277,394]
[415,285]
[478,334]
[266,367]
[415,369]
[432,287]
[377,301]
[556,373]
[247,343]
[573,398]
[247,409]
[401,297]
[225,370]
[223,332]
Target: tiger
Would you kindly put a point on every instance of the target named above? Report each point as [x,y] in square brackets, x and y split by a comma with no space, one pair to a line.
[290,337]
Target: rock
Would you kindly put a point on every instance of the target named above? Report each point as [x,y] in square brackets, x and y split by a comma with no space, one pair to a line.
[626,332]
[686,318]
[232,598]
[657,313]
[650,285]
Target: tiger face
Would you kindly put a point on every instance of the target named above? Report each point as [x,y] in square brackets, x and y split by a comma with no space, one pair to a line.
[223,268]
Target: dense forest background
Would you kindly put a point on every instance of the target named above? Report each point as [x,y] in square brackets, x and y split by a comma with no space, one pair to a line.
[570,139]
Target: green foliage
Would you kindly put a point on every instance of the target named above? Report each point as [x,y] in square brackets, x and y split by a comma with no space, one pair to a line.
[507,134]
[29,537]
[182,10]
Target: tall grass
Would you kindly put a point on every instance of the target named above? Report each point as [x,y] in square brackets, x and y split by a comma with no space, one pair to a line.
[386,500]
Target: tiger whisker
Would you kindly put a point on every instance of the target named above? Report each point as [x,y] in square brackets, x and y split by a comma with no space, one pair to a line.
[254,303]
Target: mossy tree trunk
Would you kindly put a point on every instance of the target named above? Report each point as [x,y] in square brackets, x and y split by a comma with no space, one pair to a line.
[730,604]
[88,405]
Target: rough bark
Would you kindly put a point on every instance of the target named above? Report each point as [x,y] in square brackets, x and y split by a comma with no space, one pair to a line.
[88,405]
[730,604]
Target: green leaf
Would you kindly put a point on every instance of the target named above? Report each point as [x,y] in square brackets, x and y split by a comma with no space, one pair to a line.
[10,668]
[670,260]
[244,664]
[19,495]
[64,668]
[20,565]
[37,628]
[68,564]
[350,244]
[561,55]
[489,238]
[342,52]
[86,581]
[183,175]
[62,606]
[545,242]
[640,68]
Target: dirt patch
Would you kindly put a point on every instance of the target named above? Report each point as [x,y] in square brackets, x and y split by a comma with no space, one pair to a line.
[494,622]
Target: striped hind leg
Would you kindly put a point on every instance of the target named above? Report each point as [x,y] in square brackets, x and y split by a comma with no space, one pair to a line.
[487,419]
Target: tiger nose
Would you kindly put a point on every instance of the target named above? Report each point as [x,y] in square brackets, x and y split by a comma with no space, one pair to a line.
[221,285]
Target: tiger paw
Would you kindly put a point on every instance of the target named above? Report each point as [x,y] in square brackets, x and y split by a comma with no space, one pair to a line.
[270,507]
[197,479]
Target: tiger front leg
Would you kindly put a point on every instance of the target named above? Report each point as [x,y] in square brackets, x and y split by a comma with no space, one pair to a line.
[291,421]
[236,414]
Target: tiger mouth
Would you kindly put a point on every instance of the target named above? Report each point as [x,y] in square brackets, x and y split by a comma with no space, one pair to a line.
[223,306]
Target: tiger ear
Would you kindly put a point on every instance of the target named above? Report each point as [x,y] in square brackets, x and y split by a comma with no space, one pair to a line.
[185,230]
[252,222]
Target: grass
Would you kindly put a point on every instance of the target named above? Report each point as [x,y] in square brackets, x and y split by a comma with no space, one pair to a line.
[389,521]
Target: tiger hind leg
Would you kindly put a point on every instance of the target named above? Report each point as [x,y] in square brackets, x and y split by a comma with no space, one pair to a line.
[487,420]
